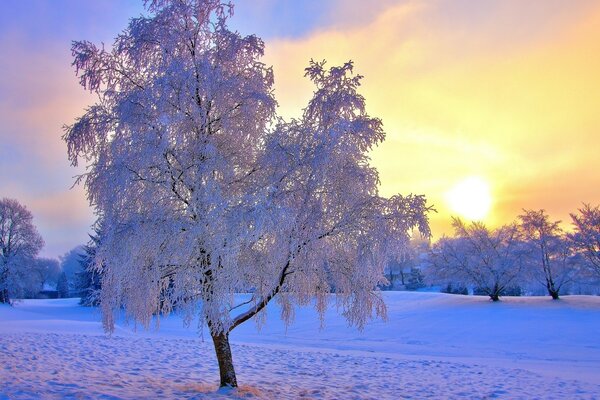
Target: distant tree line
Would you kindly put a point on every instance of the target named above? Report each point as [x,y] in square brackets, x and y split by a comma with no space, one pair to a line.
[23,273]
[532,255]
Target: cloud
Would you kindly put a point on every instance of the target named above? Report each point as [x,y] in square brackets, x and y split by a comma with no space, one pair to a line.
[504,90]
[507,90]
[38,94]
[271,19]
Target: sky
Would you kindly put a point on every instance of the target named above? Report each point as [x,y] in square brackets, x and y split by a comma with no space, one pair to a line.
[489,106]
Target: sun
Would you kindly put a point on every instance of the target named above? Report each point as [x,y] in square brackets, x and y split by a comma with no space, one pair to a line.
[470,198]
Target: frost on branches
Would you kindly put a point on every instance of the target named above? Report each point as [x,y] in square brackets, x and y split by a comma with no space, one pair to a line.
[20,243]
[203,192]
[551,259]
[489,260]
[586,237]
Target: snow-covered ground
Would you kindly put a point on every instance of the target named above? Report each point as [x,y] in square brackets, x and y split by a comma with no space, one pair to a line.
[432,346]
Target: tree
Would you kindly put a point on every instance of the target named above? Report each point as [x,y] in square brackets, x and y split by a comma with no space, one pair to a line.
[44,271]
[415,280]
[586,237]
[62,286]
[203,192]
[549,255]
[491,260]
[70,265]
[89,279]
[406,265]
[20,243]
[397,270]
[31,275]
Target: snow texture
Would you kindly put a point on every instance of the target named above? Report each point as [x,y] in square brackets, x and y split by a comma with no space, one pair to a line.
[433,346]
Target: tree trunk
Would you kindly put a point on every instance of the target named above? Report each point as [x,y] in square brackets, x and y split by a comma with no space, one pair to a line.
[223,351]
[4,296]
[495,293]
[551,289]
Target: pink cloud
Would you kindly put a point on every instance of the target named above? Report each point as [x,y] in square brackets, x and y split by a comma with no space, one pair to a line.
[38,94]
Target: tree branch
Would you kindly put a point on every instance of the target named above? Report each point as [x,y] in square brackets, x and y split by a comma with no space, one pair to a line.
[240,319]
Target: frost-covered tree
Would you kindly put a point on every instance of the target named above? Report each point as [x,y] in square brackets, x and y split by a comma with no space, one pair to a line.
[203,192]
[403,268]
[44,271]
[31,275]
[586,236]
[549,255]
[490,260]
[405,274]
[70,265]
[20,243]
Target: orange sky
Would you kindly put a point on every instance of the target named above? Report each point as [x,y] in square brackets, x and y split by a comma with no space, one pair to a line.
[511,96]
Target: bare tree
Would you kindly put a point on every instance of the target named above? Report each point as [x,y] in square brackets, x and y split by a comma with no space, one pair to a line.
[586,237]
[203,192]
[19,245]
[491,260]
[549,255]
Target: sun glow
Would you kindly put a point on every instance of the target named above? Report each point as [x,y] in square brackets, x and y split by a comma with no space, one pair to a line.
[470,198]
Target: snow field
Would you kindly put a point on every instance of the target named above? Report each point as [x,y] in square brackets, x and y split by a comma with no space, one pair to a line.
[433,346]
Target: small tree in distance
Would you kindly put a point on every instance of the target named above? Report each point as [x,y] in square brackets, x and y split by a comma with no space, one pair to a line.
[20,243]
[549,253]
[586,237]
[491,260]
[47,271]
[200,199]
[69,264]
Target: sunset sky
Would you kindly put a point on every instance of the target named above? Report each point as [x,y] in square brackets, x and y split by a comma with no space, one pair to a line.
[498,95]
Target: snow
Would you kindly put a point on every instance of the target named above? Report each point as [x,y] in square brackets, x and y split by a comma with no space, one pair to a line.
[432,346]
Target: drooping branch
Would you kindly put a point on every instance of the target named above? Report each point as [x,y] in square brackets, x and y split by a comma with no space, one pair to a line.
[259,306]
